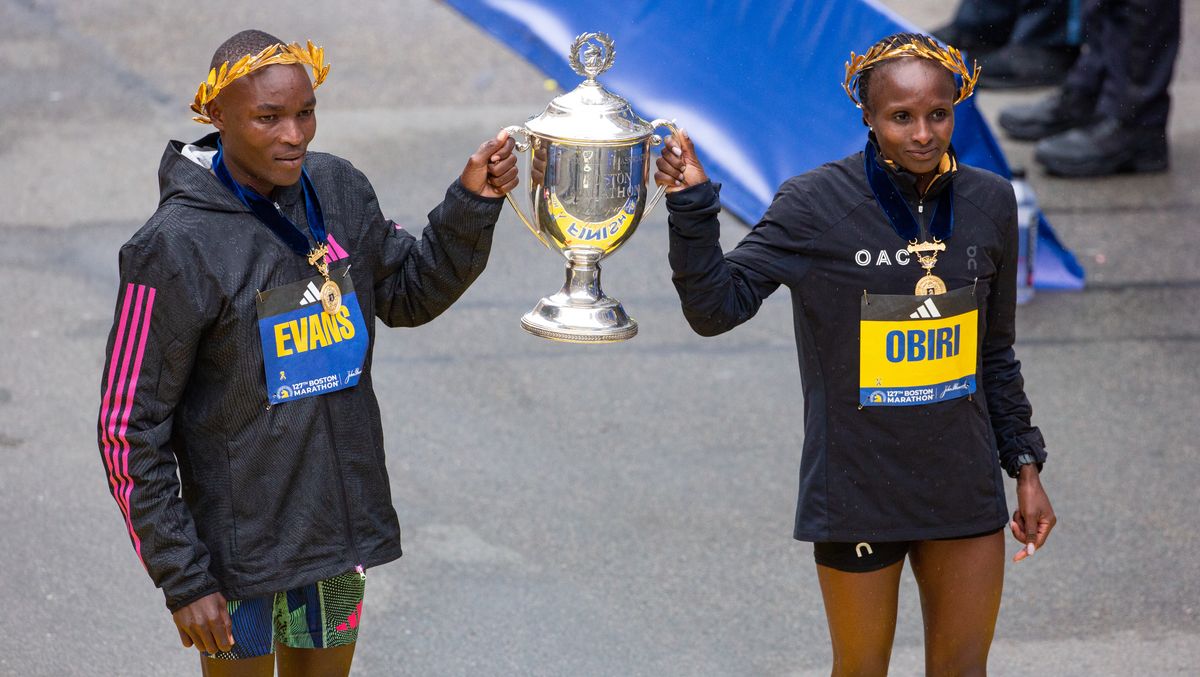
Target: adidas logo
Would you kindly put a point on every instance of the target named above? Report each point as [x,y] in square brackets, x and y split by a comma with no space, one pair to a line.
[926,310]
[312,295]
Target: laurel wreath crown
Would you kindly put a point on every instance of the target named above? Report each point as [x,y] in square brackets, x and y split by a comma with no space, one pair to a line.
[947,56]
[279,53]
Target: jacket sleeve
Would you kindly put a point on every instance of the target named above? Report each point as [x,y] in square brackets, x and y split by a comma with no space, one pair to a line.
[1008,407]
[150,352]
[717,291]
[418,279]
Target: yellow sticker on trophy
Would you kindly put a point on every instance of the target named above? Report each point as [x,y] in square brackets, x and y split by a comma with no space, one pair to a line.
[600,234]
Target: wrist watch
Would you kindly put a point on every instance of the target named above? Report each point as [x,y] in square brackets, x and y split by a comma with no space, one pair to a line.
[1014,467]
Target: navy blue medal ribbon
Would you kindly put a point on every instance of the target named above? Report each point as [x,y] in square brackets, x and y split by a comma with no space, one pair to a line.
[266,211]
[896,208]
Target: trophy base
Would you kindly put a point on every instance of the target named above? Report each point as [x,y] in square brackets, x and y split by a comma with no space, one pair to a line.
[607,323]
[580,312]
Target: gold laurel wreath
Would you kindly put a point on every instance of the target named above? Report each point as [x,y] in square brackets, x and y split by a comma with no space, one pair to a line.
[947,56]
[278,53]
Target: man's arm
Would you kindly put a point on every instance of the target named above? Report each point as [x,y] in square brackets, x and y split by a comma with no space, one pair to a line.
[149,357]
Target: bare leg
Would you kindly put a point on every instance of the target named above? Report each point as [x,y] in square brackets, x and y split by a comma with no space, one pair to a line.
[260,666]
[960,583]
[861,610]
[331,662]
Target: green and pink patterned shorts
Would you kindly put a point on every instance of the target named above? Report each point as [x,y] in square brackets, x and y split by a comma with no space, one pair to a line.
[315,616]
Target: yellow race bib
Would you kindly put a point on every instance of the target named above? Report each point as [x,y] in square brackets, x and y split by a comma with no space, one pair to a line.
[917,349]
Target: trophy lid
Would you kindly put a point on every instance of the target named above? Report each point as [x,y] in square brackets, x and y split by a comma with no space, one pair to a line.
[590,113]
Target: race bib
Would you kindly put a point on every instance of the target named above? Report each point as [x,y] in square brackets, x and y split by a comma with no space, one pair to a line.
[917,349]
[307,351]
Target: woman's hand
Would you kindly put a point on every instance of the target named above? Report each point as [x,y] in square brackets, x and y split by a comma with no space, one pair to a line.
[678,166]
[492,170]
[1034,518]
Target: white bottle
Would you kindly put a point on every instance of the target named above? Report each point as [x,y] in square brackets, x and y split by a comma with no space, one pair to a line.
[1028,215]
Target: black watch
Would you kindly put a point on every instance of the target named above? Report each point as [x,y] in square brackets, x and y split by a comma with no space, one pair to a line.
[1014,467]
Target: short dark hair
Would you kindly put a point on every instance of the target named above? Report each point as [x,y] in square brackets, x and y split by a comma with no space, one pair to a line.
[241,44]
[894,40]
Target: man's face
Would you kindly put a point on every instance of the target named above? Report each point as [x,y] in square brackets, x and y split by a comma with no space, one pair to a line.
[266,120]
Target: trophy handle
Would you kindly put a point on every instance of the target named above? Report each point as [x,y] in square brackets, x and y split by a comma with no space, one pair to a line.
[656,140]
[522,146]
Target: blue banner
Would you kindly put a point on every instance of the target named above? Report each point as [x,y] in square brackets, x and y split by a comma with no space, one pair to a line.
[757,84]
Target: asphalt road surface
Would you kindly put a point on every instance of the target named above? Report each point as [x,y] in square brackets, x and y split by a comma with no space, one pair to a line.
[568,510]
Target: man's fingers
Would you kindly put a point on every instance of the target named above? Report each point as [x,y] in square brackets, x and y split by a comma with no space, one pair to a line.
[499,167]
[184,638]
[508,177]
[504,151]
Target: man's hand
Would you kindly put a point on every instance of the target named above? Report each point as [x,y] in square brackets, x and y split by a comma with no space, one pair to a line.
[678,166]
[492,170]
[1034,518]
[205,624]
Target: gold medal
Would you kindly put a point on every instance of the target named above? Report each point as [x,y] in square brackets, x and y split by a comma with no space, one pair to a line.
[331,297]
[331,294]
[927,253]
[930,285]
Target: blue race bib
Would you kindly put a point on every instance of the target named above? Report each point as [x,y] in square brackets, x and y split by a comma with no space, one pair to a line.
[307,351]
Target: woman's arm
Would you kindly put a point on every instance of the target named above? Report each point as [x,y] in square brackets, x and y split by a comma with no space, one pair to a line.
[717,292]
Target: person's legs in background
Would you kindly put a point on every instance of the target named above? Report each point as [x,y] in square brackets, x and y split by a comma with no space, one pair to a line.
[1041,47]
[1138,44]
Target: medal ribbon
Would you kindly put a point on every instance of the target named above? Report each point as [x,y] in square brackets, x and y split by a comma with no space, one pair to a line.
[896,208]
[266,211]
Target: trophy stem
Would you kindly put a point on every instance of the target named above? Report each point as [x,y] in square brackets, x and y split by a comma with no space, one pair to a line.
[580,312]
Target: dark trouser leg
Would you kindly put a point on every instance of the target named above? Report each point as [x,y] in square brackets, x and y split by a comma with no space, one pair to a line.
[988,20]
[1141,45]
[1047,23]
[861,610]
[960,582]
[331,662]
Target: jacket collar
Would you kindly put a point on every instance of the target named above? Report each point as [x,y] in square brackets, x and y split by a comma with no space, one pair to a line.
[894,190]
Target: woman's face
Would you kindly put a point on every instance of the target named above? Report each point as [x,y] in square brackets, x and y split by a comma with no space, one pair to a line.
[910,106]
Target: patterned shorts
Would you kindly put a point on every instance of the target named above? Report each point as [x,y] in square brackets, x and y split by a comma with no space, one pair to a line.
[314,616]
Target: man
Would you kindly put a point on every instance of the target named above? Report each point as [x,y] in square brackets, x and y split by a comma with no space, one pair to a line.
[238,424]
[1110,115]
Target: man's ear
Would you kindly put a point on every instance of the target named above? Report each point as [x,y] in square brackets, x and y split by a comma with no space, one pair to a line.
[217,115]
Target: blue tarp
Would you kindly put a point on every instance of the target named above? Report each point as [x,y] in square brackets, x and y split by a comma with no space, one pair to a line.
[757,84]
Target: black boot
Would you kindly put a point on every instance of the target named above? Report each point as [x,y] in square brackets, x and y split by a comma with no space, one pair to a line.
[1103,148]
[1052,115]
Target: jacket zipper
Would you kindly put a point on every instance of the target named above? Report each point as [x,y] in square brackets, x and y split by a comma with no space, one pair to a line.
[358,566]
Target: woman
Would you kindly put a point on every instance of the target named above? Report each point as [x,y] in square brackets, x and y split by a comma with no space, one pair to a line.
[902,268]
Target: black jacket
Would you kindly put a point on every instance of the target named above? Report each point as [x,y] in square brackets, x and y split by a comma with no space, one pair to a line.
[873,473]
[220,491]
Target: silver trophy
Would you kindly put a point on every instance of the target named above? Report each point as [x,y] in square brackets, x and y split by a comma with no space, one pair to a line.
[589,159]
